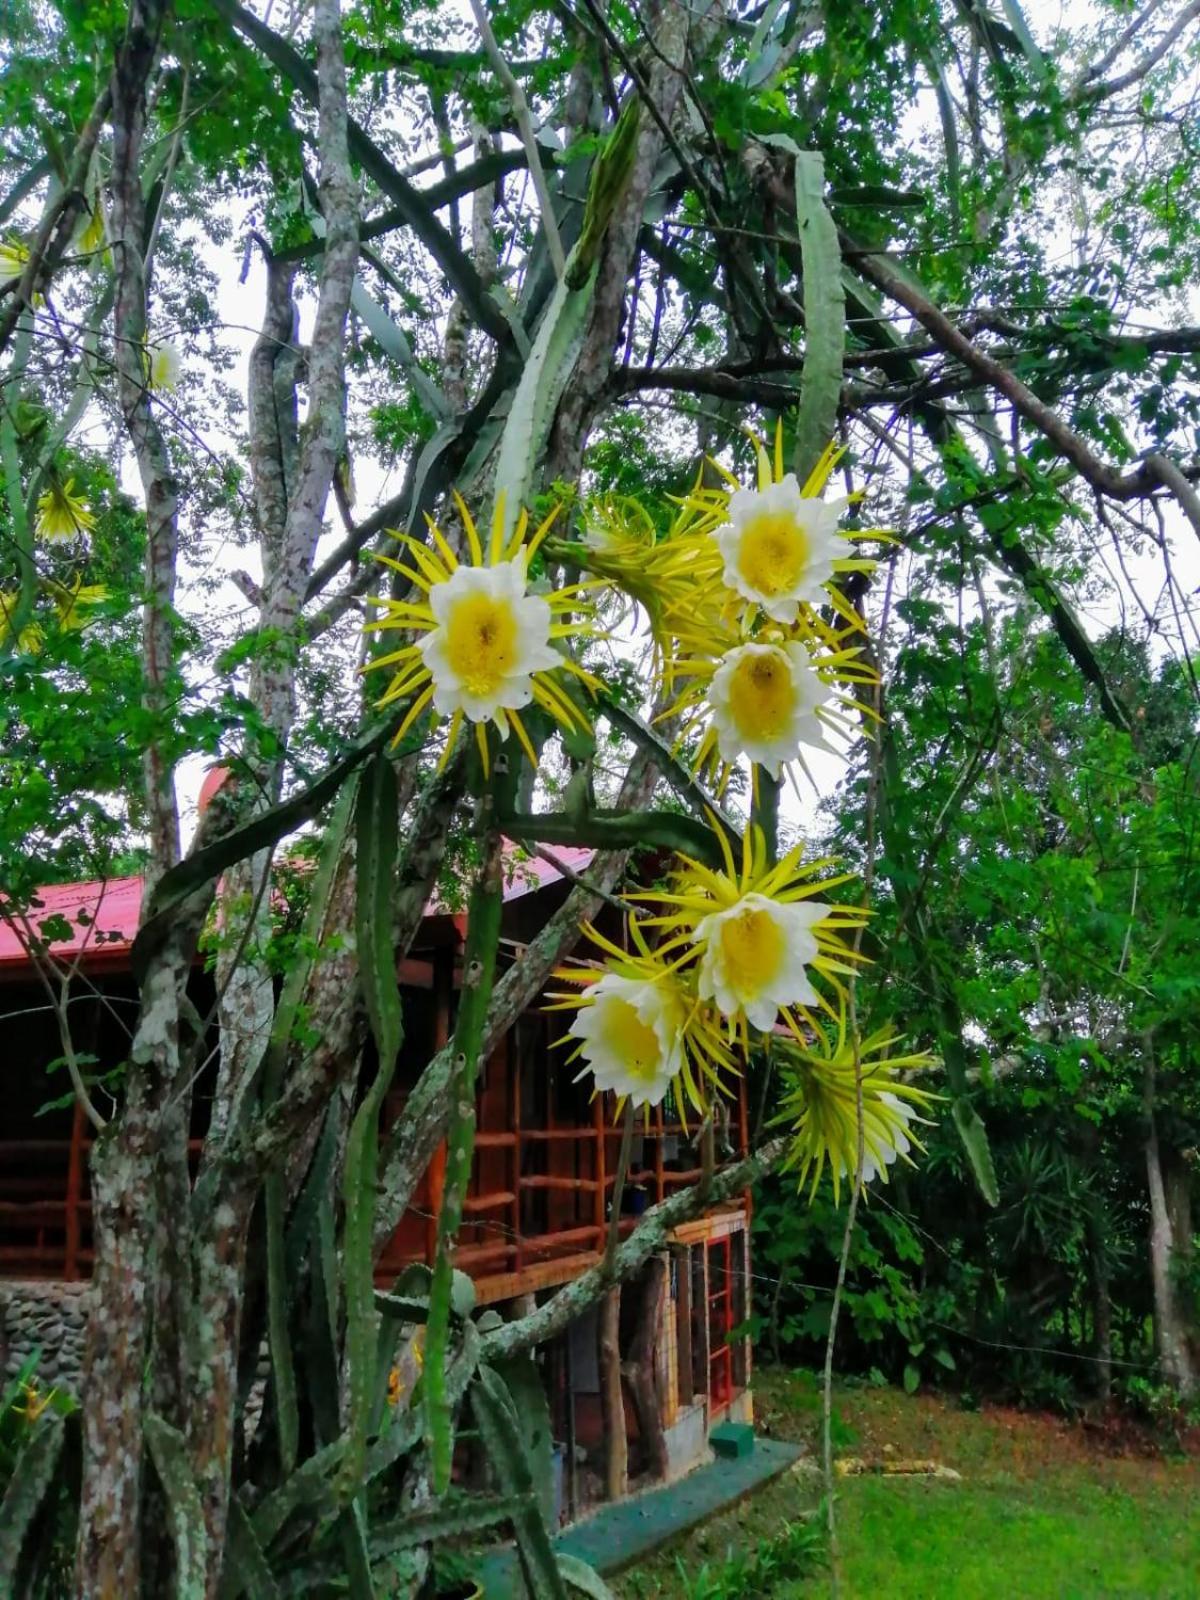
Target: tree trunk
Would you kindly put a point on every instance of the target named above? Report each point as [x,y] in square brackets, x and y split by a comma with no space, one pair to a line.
[1101,1292]
[639,1370]
[664,67]
[1170,1323]
[612,1399]
[108,1558]
[1177,1181]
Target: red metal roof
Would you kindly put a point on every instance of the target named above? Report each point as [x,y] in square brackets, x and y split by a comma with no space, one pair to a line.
[104,915]
[111,908]
[525,873]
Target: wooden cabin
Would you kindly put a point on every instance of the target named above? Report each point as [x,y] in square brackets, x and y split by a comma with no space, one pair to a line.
[537,1209]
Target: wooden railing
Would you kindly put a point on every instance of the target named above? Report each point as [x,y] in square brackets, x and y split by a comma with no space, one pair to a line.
[509,1242]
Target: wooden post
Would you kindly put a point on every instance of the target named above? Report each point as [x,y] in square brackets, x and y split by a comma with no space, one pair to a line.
[639,1369]
[685,1381]
[742,1354]
[74,1189]
[743,1142]
[513,1063]
[600,1198]
[612,1400]
[443,990]
[569,1409]
[700,1339]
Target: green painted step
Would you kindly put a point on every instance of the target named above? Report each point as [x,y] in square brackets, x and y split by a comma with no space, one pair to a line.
[620,1534]
[732,1440]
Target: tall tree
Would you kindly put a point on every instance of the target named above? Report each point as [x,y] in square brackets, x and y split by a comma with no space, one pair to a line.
[680,220]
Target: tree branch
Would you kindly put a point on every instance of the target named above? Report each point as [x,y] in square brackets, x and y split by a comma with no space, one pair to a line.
[1147,63]
[128,97]
[410,203]
[524,122]
[57,226]
[272,685]
[1111,56]
[700,380]
[651,1234]
[464,180]
[1106,479]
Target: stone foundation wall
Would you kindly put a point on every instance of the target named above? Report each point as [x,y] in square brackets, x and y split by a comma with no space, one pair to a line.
[46,1316]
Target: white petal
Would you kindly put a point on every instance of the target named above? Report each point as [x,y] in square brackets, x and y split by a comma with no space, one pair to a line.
[610,1070]
[505,585]
[760,998]
[818,518]
[802,727]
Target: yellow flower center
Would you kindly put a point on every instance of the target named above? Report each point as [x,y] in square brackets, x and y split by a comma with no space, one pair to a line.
[753,948]
[481,642]
[632,1041]
[772,553]
[762,695]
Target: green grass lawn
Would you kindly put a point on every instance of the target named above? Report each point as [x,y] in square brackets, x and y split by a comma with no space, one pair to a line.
[1043,1512]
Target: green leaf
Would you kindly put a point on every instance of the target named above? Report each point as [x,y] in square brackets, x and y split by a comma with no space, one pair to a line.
[376,828]
[536,399]
[377,823]
[584,1578]
[356,1555]
[275,1201]
[195,873]
[247,1570]
[614,830]
[610,177]
[456,1516]
[310,1484]
[479,971]
[552,358]
[394,342]
[495,1414]
[283,1372]
[975,1141]
[1019,26]
[168,1450]
[402,1308]
[824,316]
[676,772]
[524,1383]
[31,1478]
[912,1379]
[460,1516]
[24,186]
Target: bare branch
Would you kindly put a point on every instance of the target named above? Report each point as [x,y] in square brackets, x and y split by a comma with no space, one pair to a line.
[524,122]
[410,202]
[1107,479]
[324,433]
[149,444]
[1146,64]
